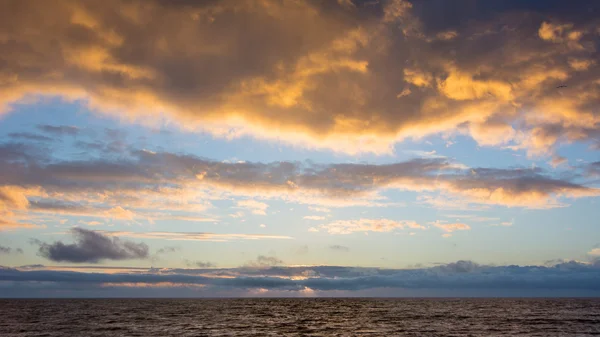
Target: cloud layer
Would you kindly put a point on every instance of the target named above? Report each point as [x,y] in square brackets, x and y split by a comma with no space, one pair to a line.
[138,185]
[359,78]
[461,276]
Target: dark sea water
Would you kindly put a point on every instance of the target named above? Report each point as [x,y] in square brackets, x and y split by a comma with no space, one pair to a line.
[300,317]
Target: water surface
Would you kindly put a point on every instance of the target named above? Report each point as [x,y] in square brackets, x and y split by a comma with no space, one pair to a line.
[300,317]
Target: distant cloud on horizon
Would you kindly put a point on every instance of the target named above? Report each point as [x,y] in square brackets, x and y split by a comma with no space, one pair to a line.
[461,277]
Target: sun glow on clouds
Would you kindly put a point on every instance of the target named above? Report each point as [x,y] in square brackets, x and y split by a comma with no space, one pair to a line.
[257,207]
[496,105]
[450,227]
[294,92]
[368,225]
[216,237]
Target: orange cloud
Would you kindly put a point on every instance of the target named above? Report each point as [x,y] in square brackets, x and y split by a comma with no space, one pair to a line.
[253,68]
[12,225]
[257,207]
[451,227]
[236,68]
[368,225]
[152,186]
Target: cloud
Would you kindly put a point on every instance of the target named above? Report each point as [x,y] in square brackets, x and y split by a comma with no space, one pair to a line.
[489,71]
[558,33]
[195,236]
[29,136]
[447,35]
[11,225]
[314,217]
[504,224]
[120,213]
[461,277]
[594,252]
[593,169]
[257,207]
[368,225]
[9,250]
[168,249]
[263,261]
[185,218]
[327,210]
[15,197]
[92,247]
[149,186]
[451,227]
[471,217]
[59,130]
[199,264]
[339,248]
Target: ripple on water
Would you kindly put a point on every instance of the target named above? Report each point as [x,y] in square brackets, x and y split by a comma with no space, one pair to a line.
[300,317]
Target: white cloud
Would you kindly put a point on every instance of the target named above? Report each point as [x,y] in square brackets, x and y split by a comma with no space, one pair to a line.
[594,252]
[368,225]
[257,207]
[314,217]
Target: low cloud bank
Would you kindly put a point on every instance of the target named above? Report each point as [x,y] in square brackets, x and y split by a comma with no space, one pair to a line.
[453,278]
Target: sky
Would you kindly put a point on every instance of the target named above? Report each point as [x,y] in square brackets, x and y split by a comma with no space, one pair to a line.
[299,148]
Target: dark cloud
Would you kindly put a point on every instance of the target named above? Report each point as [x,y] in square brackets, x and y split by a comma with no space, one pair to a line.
[9,250]
[594,168]
[138,174]
[29,136]
[31,266]
[10,224]
[459,267]
[92,247]
[461,276]
[164,250]
[339,248]
[168,249]
[439,15]
[15,153]
[199,264]
[59,130]
[58,207]
[263,261]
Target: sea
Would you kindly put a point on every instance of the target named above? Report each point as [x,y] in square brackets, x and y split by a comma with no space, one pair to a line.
[300,317]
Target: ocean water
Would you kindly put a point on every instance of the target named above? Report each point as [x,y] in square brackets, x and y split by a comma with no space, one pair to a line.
[300,317]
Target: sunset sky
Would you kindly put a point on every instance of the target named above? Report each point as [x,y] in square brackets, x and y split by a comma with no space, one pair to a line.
[299,148]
